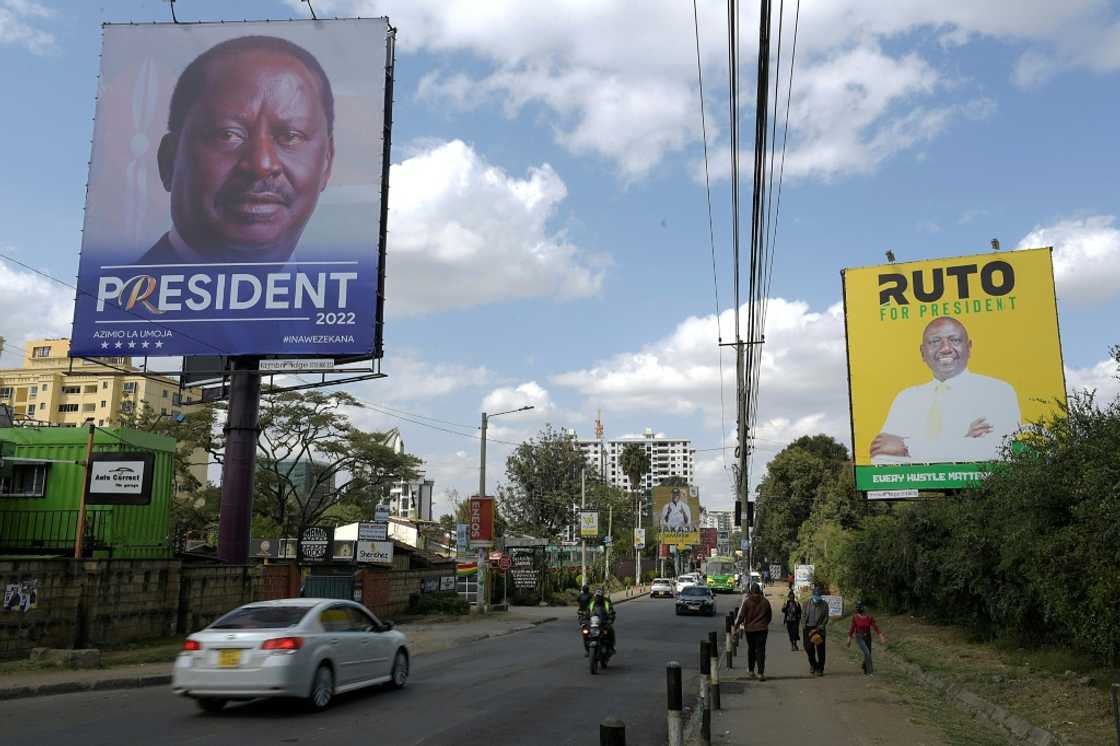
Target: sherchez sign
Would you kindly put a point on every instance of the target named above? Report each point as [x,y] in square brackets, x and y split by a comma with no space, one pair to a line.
[120,479]
[375,552]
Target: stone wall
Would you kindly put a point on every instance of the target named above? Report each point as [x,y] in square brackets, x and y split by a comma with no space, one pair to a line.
[63,603]
[208,591]
[386,593]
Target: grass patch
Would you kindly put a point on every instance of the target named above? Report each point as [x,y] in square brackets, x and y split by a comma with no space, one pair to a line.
[1032,683]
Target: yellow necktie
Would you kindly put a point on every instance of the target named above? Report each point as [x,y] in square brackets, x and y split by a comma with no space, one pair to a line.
[934,423]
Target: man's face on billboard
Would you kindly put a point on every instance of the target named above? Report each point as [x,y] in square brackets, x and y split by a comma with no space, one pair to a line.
[254,152]
[946,348]
[676,497]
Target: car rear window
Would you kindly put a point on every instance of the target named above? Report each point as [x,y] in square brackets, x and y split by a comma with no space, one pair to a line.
[262,617]
[695,590]
[660,580]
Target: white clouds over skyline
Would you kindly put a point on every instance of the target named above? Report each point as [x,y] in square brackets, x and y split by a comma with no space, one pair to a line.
[1086,256]
[20,25]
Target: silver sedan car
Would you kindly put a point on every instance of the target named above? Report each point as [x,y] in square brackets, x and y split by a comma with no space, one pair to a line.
[310,648]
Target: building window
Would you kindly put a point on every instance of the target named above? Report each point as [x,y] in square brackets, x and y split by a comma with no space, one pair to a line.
[71,389]
[177,399]
[27,480]
[165,393]
[162,411]
[5,392]
[42,405]
[41,352]
[100,423]
[34,391]
[89,407]
[104,385]
[126,407]
[92,389]
[129,387]
[102,403]
[67,407]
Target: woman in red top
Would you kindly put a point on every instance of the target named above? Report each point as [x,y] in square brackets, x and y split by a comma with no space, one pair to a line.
[862,624]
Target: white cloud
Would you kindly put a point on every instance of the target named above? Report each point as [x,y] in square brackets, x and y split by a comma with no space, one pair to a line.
[1102,378]
[634,103]
[18,25]
[31,307]
[802,387]
[1086,256]
[452,214]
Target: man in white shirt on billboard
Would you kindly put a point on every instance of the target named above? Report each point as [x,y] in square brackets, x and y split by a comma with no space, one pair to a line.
[676,516]
[957,416]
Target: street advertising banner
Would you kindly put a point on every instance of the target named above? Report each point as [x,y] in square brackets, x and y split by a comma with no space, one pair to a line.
[315,543]
[802,577]
[639,538]
[481,521]
[375,552]
[235,190]
[373,531]
[588,523]
[947,360]
[120,478]
[678,514]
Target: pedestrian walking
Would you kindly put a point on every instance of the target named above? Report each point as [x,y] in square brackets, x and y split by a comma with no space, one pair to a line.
[791,616]
[814,619]
[862,624]
[754,616]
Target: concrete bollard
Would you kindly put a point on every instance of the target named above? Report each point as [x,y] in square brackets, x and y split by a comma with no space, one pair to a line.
[612,732]
[705,693]
[676,703]
[713,685]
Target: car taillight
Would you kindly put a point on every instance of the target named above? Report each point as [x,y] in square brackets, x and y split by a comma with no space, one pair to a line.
[283,643]
[191,645]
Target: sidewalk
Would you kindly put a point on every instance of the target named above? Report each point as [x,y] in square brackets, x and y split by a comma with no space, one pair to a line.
[425,637]
[842,708]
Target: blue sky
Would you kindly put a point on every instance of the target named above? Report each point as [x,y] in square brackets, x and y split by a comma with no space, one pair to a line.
[548,228]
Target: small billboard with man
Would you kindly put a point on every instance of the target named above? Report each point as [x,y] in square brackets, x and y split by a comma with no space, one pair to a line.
[677,510]
[948,360]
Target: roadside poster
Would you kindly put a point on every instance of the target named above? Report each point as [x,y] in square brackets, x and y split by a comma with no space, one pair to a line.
[588,523]
[462,539]
[802,577]
[481,521]
[639,538]
[375,552]
[775,572]
[373,531]
[447,583]
[940,380]
[835,606]
[315,543]
[678,514]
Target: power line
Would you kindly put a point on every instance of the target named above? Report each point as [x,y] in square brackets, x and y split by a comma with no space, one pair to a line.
[711,225]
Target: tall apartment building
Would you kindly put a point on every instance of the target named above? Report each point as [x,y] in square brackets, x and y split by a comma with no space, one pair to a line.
[669,457]
[409,500]
[723,520]
[41,390]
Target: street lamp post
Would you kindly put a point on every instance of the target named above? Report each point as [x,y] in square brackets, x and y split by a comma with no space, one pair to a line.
[482,487]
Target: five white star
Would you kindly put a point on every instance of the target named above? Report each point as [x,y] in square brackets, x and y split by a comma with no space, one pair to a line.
[159,344]
[117,345]
[131,344]
[104,345]
[144,344]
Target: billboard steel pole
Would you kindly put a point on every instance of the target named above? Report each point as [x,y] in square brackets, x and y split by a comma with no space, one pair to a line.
[240,465]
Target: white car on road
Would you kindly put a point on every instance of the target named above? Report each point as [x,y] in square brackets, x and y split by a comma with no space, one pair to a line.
[661,588]
[310,648]
[686,580]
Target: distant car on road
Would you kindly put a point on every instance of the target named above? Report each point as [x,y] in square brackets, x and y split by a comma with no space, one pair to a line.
[686,580]
[310,648]
[661,588]
[696,599]
[755,578]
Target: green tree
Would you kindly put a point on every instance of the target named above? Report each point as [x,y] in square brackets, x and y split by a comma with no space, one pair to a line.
[543,486]
[350,471]
[635,464]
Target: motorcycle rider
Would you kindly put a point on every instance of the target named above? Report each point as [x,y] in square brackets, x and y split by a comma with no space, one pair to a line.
[602,607]
[584,601]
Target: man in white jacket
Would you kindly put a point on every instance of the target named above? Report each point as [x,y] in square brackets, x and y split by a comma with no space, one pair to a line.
[957,416]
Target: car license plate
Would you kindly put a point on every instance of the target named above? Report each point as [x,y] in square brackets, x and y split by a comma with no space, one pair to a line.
[229,658]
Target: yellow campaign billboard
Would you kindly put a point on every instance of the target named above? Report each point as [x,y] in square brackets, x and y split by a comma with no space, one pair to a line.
[677,511]
[947,358]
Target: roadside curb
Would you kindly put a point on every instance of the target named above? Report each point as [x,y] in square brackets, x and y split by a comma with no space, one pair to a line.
[69,687]
[506,632]
[1015,726]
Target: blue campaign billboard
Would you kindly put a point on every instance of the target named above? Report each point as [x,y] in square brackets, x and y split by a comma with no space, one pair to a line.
[235,195]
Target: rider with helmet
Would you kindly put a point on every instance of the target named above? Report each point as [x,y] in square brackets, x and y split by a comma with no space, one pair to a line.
[602,607]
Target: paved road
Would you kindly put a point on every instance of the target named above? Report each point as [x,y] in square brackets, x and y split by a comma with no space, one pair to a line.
[532,687]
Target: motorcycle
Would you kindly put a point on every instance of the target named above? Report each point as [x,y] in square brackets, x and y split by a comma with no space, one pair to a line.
[595,636]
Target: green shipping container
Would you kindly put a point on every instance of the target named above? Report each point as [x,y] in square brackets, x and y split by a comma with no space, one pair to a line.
[41,483]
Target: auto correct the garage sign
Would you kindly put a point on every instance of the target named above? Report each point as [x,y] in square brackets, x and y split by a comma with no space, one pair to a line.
[120,479]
